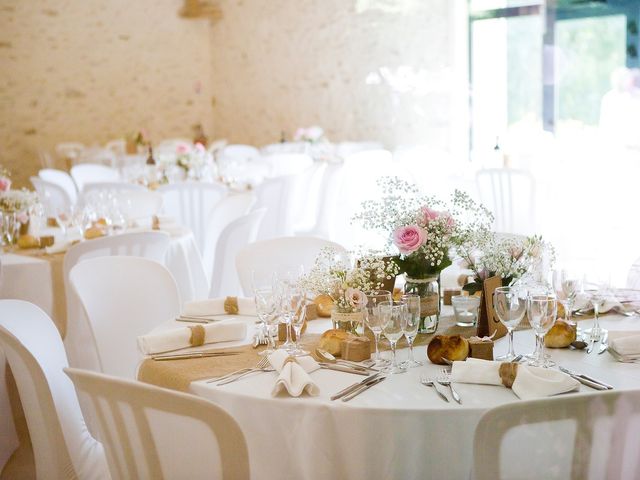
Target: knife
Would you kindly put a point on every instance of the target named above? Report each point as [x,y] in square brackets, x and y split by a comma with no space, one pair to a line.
[603,343]
[587,380]
[363,388]
[338,368]
[355,386]
[181,356]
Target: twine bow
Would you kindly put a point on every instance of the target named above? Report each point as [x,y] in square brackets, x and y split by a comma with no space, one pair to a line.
[508,372]
[197,335]
[231,305]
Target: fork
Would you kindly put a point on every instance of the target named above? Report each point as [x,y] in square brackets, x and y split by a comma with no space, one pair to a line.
[445,380]
[261,364]
[427,382]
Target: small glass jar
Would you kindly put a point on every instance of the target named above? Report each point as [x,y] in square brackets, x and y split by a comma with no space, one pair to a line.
[352,322]
[465,309]
[428,289]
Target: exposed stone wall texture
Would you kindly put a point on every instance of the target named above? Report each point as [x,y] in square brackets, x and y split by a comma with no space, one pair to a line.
[389,70]
[92,71]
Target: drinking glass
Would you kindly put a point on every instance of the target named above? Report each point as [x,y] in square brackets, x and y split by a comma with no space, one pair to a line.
[566,284]
[410,325]
[373,319]
[541,311]
[267,311]
[509,305]
[10,228]
[286,278]
[392,317]
[598,289]
[297,321]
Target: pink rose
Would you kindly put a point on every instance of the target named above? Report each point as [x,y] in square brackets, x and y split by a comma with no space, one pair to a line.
[182,149]
[356,298]
[409,239]
[200,148]
[429,214]
[449,222]
[5,184]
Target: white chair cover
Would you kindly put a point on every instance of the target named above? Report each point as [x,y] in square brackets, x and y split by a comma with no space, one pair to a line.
[240,232]
[123,297]
[61,178]
[275,195]
[79,341]
[53,197]
[97,155]
[577,436]
[150,432]
[86,173]
[344,149]
[241,152]
[286,163]
[117,146]
[69,151]
[191,204]
[63,447]
[266,256]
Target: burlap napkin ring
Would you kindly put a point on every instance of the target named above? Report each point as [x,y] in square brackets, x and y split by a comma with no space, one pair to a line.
[197,335]
[231,305]
[508,372]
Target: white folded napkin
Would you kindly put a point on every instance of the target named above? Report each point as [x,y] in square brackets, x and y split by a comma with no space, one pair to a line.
[177,338]
[57,248]
[293,372]
[583,301]
[530,382]
[624,345]
[216,306]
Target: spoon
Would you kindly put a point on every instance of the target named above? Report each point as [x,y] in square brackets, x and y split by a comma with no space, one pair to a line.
[332,359]
[578,344]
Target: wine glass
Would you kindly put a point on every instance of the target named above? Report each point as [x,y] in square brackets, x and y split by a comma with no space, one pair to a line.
[541,311]
[410,325]
[297,322]
[392,317]
[267,310]
[566,284]
[598,289]
[291,297]
[509,305]
[373,319]
[10,228]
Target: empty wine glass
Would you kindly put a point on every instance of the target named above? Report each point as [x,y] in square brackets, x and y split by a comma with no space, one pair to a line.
[598,289]
[10,228]
[392,317]
[267,311]
[541,312]
[509,305]
[566,284]
[410,325]
[373,319]
[297,322]
[289,293]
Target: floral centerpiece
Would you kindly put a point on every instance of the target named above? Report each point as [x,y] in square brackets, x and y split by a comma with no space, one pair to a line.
[5,179]
[421,232]
[347,285]
[15,205]
[192,159]
[313,134]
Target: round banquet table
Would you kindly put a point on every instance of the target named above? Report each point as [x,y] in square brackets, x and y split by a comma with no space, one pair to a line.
[397,429]
[37,277]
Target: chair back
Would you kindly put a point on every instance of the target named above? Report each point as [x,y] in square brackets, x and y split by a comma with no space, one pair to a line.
[97,156]
[240,232]
[344,149]
[61,178]
[275,194]
[63,447]
[152,432]
[117,146]
[228,209]
[286,163]
[241,152]
[85,173]
[53,197]
[267,256]
[510,195]
[123,297]
[69,151]
[577,436]
[191,204]
[78,340]
[633,277]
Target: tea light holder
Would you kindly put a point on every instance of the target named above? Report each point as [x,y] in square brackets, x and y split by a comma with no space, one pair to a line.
[465,309]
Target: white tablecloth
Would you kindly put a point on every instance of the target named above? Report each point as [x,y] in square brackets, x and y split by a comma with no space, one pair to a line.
[397,429]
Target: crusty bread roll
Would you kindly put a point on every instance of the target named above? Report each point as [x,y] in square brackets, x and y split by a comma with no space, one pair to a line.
[28,241]
[451,347]
[561,334]
[94,232]
[331,340]
[324,304]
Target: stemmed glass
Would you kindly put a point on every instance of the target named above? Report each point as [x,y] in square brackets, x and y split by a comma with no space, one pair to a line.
[291,297]
[566,285]
[10,227]
[541,311]
[267,311]
[374,320]
[297,321]
[598,290]
[509,305]
[410,325]
[393,317]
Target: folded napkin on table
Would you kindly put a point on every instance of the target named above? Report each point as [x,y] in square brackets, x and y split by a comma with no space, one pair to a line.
[58,248]
[220,306]
[194,336]
[624,346]
[526,382]
[293,372]
[583,302]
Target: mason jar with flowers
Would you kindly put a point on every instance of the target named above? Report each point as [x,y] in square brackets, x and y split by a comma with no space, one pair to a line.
[14,207]
[347,284]
[421,231]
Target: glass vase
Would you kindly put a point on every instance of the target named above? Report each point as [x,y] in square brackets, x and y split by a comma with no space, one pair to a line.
[428,288]
[348,321]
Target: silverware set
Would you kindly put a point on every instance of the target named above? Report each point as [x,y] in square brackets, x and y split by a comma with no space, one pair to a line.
[196,354]
[262,366]
[430,382]
[356,389]
[587,380]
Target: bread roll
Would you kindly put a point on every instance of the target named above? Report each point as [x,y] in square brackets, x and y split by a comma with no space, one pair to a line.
[451,347]
[324,304]
[94,232]
[561,334]
[331,340]
[28,241]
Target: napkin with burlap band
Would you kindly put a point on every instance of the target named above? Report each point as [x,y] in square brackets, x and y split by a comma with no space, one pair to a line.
[293,374]
[195,336]
[624,346]
[220,306]
[525,381]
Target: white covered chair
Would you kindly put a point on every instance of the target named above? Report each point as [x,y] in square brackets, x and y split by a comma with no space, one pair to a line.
[117,146]
[286,163]
[155,433]
[266,256]
[61,178]
[510,195]
[113,187]
[137,205]
[86,173]
[123,297]
[569,436]
[241,152]
[53,197]
[344,149]
[240,232]
[69,151]
[98,156]
[326,207]
[275,195]
[191,204]
[63,447]
[78,339]
[633,277]
[228,209]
